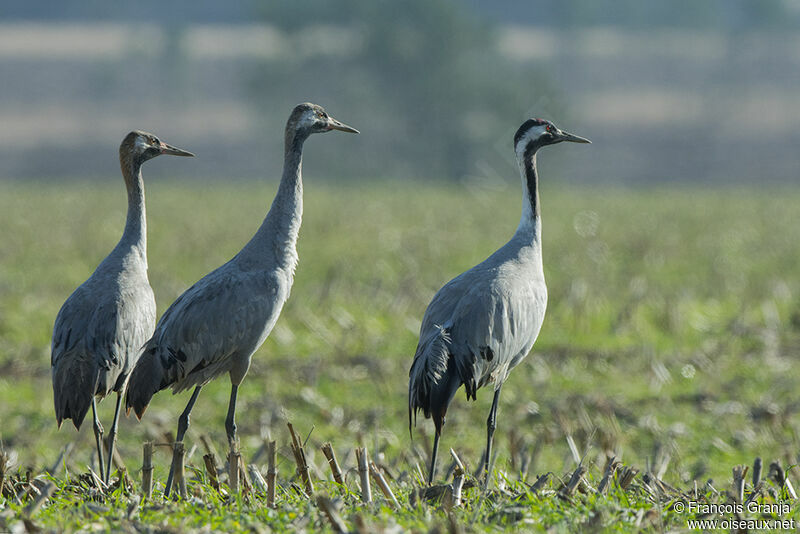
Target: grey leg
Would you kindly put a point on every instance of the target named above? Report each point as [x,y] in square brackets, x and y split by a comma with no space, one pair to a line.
[230,423]
[434,453]
[98,438]
[112,438]
[183,425]
[491,424]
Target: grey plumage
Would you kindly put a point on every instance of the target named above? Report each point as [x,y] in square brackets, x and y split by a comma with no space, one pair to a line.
[481,324]
[102,326]
[212,328]
[219,322]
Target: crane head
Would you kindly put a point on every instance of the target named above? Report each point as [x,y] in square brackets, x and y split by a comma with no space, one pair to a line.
[310,118]
[142,146]
[536,133]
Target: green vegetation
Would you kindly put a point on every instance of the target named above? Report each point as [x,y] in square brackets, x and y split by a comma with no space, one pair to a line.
[670,338]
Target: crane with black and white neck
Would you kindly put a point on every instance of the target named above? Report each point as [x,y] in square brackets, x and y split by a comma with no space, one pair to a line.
[484,322]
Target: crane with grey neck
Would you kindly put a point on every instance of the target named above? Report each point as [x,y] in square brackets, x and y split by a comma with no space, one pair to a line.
[482,323]
[216,325]
[100,329]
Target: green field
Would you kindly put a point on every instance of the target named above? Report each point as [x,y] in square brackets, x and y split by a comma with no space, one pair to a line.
[670,341]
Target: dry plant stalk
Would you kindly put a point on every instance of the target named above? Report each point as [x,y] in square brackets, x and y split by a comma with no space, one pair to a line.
[4,465]
[419,473]
[328,508]
[327,450]
[177,459]
[97,481]
[244,477]
[132,509]
[31,490]
[300,460]
[147,469]
[756,492]
[180,471]
[259,484]
[37,503]
[573,448]
[574,481]
[757,466]
[777,474]
[272,473]
[739,472]
[663,464]
[658,487]
[233,467]
[211,468]
[363,461]
[625,476]
[537,486]
[383,485]
[458,478]
[611,468]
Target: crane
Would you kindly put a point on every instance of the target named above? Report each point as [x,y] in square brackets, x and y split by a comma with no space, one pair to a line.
[482,323]
[216,325]
[100,329]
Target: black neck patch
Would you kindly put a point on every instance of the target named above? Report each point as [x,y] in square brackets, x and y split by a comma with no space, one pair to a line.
[531,177]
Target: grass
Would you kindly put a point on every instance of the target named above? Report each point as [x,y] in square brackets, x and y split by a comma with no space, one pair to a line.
[670,338]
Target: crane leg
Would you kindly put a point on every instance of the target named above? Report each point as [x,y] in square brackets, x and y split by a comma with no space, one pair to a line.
[434,454]
[491,424]
[98,438]
[230,422]
[183,425]
[112,438]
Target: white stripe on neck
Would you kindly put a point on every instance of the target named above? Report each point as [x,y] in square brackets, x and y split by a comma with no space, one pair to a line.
[534,132]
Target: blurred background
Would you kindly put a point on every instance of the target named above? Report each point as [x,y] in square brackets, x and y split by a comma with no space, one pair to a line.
[671,268]
[671,91]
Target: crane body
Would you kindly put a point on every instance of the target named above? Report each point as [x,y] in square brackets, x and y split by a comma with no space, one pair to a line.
[100,329]
[216,325]
[484,322]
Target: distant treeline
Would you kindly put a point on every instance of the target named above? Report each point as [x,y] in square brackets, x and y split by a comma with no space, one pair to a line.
[436,86]
[690,14]
[427,78]
[717,14]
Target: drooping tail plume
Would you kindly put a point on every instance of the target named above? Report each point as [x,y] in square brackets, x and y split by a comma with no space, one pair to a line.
[433,378]
[74,384]
[147,379]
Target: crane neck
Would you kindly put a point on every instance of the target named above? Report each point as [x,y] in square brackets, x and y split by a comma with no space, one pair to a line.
[277,236]
[135,233]
[530,221]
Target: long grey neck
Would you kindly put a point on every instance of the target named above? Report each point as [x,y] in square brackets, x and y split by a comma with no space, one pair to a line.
[530,222]
[277,237]
[135,234]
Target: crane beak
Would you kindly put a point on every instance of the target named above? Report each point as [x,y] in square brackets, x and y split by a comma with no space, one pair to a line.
[333,124]
[566,136]
[174,151]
